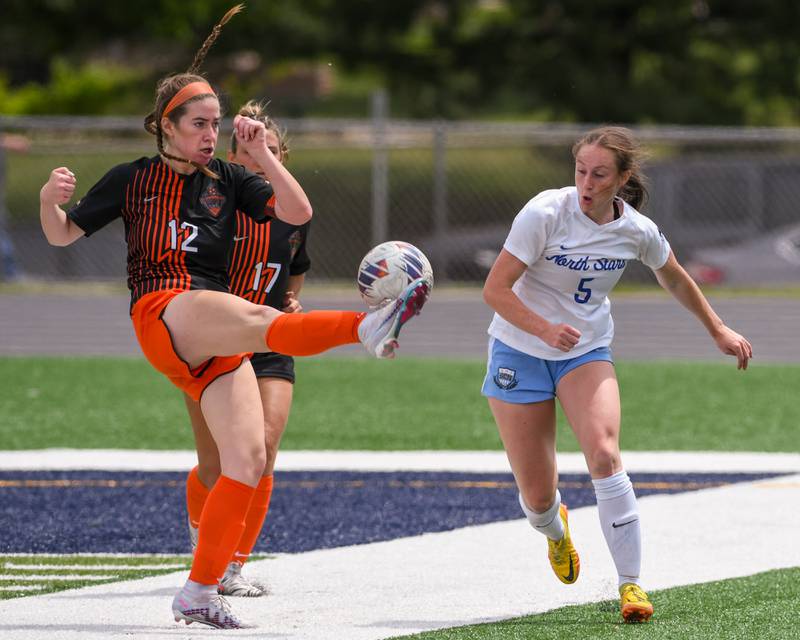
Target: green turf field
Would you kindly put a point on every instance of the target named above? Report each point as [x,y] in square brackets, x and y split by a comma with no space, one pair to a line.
[26,575]
[763,606]
[36,574]
[410,403]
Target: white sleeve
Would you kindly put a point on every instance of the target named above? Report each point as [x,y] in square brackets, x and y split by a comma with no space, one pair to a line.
[528,235]
[654,249]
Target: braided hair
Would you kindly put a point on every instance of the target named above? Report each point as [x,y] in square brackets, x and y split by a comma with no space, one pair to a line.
[169,86]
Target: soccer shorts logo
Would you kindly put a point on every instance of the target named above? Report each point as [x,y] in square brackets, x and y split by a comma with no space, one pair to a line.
[506,378]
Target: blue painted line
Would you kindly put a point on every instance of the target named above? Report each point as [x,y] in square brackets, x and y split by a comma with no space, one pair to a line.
[138,512]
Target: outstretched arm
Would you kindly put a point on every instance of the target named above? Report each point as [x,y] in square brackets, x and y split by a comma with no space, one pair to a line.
[58,228]
[673,278]
[292,204]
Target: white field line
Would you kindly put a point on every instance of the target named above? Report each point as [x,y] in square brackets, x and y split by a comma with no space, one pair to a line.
[99,554]
[22,587]
[56,577]
[470,575]
[94,567]
[459,461]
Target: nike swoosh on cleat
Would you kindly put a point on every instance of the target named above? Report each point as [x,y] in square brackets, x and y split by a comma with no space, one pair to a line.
[571,575]
[150,198]
[238,238]
[622,524]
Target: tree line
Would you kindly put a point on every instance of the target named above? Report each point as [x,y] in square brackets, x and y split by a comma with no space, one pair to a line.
[724,62]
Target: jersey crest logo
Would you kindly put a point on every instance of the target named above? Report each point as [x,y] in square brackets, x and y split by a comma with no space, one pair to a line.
[506,378]
[212,199]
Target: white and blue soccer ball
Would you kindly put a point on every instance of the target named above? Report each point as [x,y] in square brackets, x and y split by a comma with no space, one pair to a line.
[388,269]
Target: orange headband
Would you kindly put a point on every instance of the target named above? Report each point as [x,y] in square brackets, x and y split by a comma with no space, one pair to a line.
[189,91]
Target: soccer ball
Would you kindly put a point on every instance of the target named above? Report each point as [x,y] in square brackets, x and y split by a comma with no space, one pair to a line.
[388,269]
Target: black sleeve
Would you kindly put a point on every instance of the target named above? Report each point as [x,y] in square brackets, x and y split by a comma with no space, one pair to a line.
[301,261]
[104,201]
[254,195]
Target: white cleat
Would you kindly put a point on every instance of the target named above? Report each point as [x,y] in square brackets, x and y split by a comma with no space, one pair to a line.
[234,584]
[216,612]
[380,328]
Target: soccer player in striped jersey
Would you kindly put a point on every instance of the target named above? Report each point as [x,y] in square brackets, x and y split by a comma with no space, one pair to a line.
[268,266]
[550,337]
[179,210]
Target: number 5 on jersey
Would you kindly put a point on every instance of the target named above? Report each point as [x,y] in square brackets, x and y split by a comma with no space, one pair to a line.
[584,293]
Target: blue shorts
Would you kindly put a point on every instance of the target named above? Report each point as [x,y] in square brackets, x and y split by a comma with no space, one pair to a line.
[519,378]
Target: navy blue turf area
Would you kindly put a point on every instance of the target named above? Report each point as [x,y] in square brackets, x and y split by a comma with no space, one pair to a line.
[136,512]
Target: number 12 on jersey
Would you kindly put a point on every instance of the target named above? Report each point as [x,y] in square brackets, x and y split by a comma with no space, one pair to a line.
[186,245]
[270,274]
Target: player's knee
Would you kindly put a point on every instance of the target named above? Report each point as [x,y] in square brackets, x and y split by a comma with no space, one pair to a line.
[208,471]
[256,462]
[269,460]
[538,502]
[604,460]
[262,315]
[259,459]
[274,425]
[255,316]
[246,464]
[272,454]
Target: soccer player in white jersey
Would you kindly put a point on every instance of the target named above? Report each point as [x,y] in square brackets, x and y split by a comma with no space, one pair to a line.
[550,337]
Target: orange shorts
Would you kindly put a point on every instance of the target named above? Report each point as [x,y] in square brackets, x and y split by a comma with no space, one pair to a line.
[156,343]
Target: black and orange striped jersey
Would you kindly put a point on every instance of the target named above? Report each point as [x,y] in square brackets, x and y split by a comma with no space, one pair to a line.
[263,258]
[178,228]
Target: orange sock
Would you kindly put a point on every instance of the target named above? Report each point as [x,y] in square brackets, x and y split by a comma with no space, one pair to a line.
[196,495]
[255,520]
[304,334]
[221,527]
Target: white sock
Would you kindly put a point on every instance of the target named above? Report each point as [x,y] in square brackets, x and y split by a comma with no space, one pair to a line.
[546,522]
[197,592]
[619,520]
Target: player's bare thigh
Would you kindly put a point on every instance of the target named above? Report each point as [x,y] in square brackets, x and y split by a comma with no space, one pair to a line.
[589,396]
[204,324]
[276,400]
[232,409]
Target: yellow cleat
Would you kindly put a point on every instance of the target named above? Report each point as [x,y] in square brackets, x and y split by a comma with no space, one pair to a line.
[634,605]
[563,557]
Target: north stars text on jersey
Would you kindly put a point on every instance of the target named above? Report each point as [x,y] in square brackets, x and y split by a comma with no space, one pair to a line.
[585,263]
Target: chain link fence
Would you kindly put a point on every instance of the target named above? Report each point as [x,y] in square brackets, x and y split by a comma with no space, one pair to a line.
[727,199]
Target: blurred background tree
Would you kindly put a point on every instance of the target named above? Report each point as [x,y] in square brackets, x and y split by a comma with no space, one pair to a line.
[731,62]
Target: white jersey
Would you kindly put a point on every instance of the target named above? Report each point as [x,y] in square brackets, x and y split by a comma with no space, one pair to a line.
[573,263]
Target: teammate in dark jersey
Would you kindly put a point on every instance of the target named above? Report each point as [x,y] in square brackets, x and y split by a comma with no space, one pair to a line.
[178,210]
[268,266]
